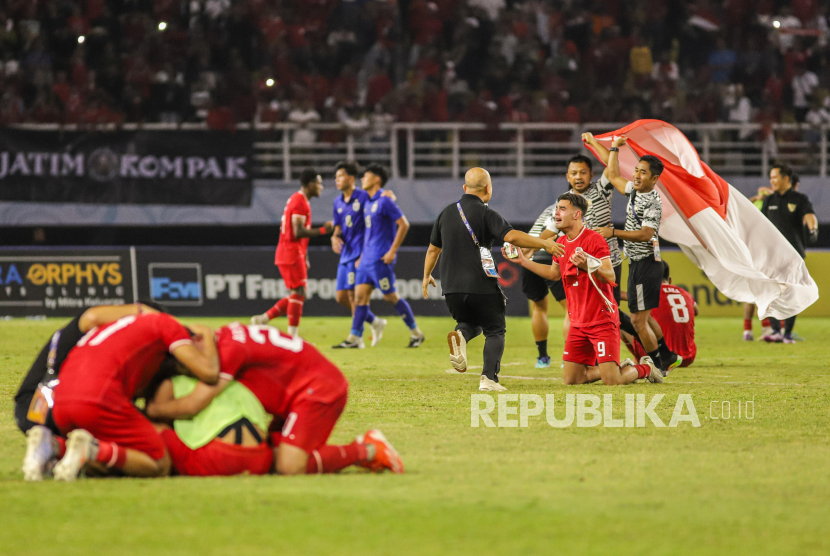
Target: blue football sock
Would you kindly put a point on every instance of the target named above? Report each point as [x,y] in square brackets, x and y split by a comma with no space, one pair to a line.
[405,311]
[358,319]
[370,316]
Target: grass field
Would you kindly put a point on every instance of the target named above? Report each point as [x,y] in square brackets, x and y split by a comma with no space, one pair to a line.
[732,486]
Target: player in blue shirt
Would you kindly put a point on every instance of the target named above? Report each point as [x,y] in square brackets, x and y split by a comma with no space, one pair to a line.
[381,241]
[347,240]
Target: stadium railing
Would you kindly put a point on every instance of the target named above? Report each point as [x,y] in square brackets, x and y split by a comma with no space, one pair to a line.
[445,150]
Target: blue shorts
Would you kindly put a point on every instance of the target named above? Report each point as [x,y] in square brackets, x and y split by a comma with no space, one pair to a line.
[345,276]
[378,274]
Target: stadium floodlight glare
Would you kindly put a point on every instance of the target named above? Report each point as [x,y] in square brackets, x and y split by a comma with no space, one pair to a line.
[269,82]
[81,39]
[162,26]
[776,24]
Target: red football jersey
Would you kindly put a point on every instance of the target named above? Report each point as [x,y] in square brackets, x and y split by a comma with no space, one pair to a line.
[119,358]
[585,305]
[676,317]
[290,249]
[277,368]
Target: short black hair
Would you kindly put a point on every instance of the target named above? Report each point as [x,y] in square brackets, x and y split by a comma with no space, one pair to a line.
[580,159]
[379,171]
[666,271]
[154,305]
[654,164]
[349,167]
[783,168]
[576,200]
[795,178]
[309,175]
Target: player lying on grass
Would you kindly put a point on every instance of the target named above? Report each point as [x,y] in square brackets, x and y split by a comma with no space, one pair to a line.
[228,437]
[586,272]
[303,390]
[93,404]
[676,317]
[33,401]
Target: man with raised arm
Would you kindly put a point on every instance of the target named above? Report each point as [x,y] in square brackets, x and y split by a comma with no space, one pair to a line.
[641,245]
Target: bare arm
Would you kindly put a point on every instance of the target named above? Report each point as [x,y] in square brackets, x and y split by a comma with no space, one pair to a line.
[811,221]
[165,407]
[336,240]
[403,229]
[612,171]
[430,261]
[697,310]
[521,239]
[204,363]
[605,271]
[300,231]
[550,272]
[642,235]
[104,314]
[602,152]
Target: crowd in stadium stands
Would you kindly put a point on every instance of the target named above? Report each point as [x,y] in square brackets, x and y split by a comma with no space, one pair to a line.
[365,63]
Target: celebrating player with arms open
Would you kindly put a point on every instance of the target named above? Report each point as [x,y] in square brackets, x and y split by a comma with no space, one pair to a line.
[588,276]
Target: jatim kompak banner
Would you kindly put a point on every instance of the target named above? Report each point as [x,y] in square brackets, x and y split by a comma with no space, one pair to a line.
[719,229]
[126,167]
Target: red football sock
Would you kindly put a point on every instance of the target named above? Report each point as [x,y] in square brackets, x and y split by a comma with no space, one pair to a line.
[765,323]
[61,442]
[747,324]
[331,459]
[111,455]
[642,370]
[279,309]
[295,309]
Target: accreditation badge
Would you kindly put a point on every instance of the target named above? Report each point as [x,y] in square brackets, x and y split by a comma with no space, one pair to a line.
[488,264]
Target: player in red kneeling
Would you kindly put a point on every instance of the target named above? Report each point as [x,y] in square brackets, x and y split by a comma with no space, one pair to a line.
[100,377]
[304,392]
[291,257]
[588,277]
[676,317]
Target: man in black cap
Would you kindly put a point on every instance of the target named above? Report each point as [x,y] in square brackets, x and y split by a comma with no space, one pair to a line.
[465,232]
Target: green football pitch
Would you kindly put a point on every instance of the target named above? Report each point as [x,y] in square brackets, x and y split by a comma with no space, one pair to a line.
[754,482]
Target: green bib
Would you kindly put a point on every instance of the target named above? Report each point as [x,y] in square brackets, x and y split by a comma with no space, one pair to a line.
[234,403]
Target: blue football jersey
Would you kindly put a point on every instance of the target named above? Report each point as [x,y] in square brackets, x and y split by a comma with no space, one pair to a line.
[380,215]
[349,216]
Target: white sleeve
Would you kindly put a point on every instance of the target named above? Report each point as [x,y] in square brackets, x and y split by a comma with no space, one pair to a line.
[550,225]
[629,187]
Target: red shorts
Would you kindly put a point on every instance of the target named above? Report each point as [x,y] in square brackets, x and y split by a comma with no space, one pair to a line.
[589,345]
[217,457]
[118,421]
[295,275]
[309,423]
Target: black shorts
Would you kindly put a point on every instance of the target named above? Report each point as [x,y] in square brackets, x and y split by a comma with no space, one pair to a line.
[536,288]
[618,287]
[480,311]
[645,280]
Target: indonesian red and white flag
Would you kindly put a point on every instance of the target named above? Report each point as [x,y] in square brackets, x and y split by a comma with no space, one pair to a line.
[719,229]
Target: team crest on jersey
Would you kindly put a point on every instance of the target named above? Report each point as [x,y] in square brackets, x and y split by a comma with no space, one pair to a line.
[340,210]
[791,206]
[356,206]
[375,207]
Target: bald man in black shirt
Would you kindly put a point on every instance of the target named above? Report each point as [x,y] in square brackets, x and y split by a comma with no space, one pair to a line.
[790,211]
[464,233]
